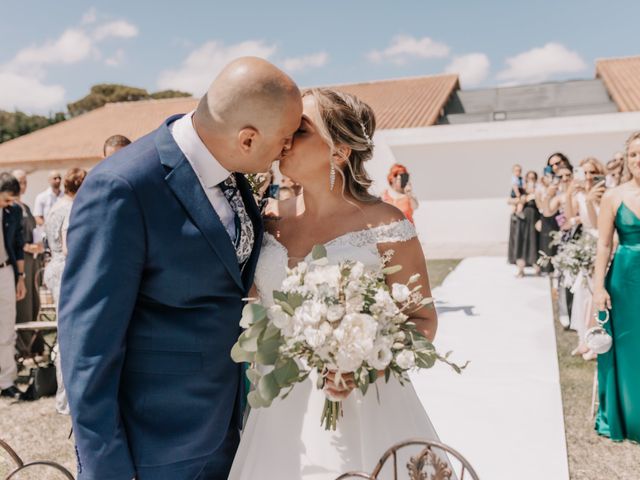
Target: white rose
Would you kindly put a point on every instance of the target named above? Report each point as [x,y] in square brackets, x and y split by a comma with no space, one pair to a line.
[380,356]
[279,317]
[335,313]
[355,304]
[290,283]
[405,359]
[314,337]
[400,292]
[355,338]
[356,271]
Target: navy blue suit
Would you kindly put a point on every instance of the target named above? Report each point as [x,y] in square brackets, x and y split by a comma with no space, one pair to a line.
[149,308]
[13,238]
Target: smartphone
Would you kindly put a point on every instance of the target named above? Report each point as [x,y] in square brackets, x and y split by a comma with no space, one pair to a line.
[404,179]
[599,178]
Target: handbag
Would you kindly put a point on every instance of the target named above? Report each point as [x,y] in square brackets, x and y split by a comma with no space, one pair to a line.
[42,382]
[597,338]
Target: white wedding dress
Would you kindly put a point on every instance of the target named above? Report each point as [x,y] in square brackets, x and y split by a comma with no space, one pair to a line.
[286,440]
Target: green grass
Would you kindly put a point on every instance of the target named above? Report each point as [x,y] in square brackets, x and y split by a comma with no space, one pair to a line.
[591,457]
[439,269]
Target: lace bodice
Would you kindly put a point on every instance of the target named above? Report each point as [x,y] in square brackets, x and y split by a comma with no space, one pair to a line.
[361,245]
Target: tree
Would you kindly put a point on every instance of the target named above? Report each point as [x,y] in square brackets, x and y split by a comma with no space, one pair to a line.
[15,124]
[110,92]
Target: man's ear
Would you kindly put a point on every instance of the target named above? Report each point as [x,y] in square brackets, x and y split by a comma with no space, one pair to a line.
[246,138]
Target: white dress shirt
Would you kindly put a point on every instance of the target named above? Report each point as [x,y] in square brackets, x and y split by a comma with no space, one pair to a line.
[207,169]
[44,202]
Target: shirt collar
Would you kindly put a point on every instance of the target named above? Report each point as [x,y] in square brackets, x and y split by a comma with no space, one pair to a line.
[209,170]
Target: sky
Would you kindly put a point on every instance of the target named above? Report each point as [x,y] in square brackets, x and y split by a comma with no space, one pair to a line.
[53,52]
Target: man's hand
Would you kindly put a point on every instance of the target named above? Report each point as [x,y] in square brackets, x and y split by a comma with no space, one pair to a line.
[21,289]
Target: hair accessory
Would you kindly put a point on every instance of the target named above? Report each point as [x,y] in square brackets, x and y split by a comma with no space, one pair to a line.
[366,135]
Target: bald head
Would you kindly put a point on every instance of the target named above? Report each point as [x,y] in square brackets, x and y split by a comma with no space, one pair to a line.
[251,110]
[248,91]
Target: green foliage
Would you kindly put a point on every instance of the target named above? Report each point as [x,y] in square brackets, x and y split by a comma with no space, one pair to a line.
[15,124]
[104,93]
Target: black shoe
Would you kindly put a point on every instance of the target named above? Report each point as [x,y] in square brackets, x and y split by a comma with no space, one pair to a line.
[11,392]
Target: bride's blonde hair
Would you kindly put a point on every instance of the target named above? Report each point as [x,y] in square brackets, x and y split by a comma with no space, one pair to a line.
[347,120]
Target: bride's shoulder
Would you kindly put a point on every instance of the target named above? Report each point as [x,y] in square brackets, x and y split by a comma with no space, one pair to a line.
[381,213]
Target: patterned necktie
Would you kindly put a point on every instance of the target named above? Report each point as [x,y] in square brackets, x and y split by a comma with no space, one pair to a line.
[244,228]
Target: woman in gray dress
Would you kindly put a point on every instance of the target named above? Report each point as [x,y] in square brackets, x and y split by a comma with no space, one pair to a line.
[55,226]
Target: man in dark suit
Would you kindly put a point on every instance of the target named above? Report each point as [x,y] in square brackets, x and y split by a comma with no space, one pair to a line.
[12,284]
[163,242]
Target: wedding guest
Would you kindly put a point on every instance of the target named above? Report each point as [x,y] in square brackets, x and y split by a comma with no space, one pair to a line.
[286,182]
[548,222]
[582,208]
[45,200]
[113,144]
[526,241]
[617,291]
[554,206]
[400,193]
[12,284]
[517,187]
[27,309]
[615,169]
[56,227]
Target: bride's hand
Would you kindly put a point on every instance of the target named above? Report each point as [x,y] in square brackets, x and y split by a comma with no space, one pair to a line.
[341,389]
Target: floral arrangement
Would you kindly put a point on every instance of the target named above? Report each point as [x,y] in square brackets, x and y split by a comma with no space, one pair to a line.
[334,318]
[575,257]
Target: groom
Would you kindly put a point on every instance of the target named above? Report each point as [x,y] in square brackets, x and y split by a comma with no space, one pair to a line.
[163,243]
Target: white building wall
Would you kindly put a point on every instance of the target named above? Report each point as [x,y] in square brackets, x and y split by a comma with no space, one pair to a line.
[461,173]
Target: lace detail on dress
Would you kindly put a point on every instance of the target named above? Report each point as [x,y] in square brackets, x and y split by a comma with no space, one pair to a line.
[398,231]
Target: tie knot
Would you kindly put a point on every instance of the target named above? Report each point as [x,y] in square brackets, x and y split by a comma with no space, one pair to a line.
[229,182]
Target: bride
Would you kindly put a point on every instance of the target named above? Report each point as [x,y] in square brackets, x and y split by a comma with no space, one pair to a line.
[286,440]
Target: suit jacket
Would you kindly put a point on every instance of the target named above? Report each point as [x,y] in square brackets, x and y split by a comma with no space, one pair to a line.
[13,235]
[150,305]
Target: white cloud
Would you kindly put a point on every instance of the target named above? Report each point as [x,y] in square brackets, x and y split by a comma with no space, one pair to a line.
[90,16]
[23,78]
[28,93]
[73,46]
[542,63]
[473,68]
[116,29]
[116,59]
[314,60]
[205,62]
[404,48]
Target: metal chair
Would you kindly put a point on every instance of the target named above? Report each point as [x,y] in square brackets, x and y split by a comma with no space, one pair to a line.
[426,465]
[21,466]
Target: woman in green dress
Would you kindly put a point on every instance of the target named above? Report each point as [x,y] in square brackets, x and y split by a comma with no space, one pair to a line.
[618,379]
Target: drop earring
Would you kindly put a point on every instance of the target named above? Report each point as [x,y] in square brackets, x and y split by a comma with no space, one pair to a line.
[332,176]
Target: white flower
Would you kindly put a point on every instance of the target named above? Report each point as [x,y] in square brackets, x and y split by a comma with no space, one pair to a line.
[384,303]
[323,281]
[245,321]
[400,292]
[279,317]
[355,336]
[314,337]
[380,356]
[355,304]
[291,283]
[405,359]
[311,312]
[335,313]
[357,269]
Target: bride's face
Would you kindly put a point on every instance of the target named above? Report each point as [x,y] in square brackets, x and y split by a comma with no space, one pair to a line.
[308,160]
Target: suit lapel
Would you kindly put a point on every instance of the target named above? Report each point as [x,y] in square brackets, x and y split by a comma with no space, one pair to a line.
[186,187]
[254,213]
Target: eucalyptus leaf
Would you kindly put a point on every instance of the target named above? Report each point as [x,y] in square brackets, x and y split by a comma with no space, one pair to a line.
[391,270]
[318,251]
[239,355]
[295,300]
[280,296]
[254,312]
[268,387]
[248,343]
[268,351]
[285,306]
[253,375]
[256,401]
[287,373]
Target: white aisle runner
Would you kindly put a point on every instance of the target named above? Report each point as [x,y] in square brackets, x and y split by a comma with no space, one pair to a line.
[504,413]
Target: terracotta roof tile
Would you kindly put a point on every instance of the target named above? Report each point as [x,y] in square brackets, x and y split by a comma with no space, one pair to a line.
[402,103]
[621,76]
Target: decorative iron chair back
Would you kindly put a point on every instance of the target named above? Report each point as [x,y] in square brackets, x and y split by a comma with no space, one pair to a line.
[426,465]
[21,466]
[47,310]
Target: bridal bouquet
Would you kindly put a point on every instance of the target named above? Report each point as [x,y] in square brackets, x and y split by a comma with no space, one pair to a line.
[575,258]
[341,318]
